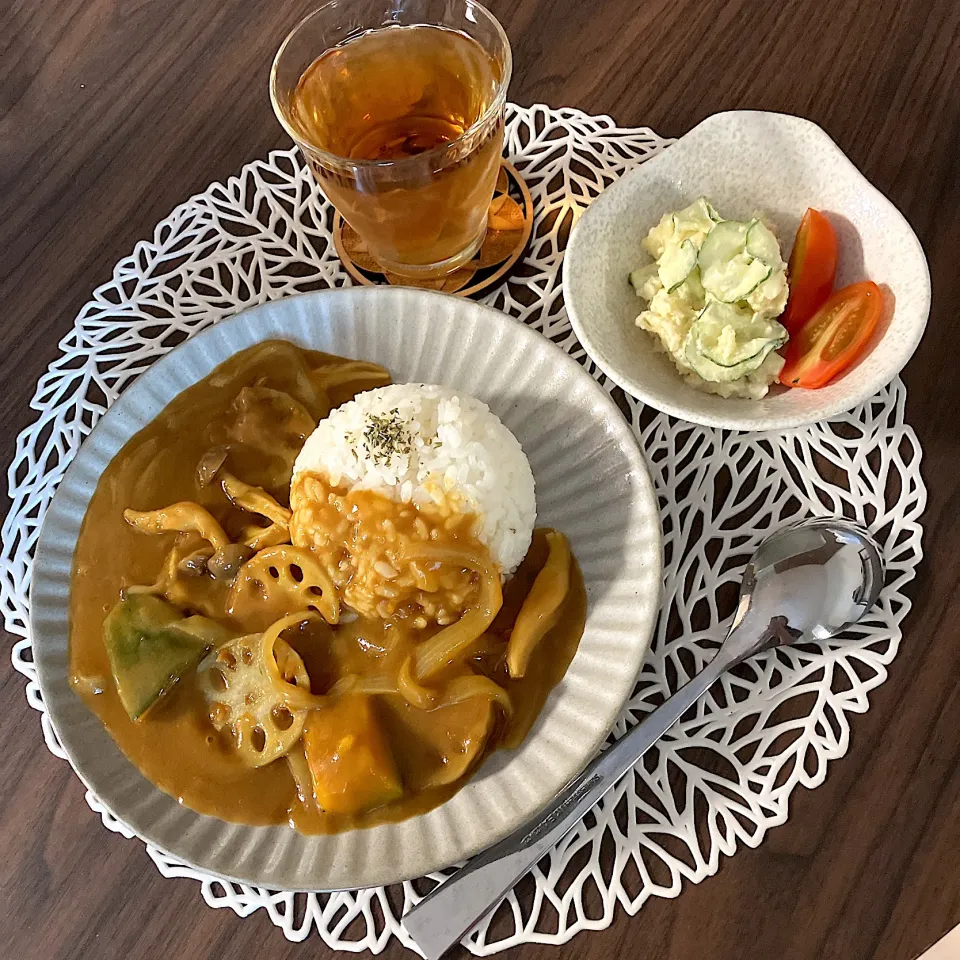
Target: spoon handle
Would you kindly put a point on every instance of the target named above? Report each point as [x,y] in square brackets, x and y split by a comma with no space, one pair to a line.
[451,910]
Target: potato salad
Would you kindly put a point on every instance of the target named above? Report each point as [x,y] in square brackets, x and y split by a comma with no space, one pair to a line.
[713,294]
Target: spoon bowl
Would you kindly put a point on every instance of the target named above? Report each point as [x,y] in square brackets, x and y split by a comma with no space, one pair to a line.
[806,582]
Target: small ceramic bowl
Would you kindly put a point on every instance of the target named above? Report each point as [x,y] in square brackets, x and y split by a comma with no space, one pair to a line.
[744,162]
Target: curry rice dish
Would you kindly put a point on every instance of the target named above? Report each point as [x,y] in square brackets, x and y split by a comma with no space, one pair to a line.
[302,595]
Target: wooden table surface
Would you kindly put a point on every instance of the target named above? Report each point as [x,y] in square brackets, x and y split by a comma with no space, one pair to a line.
[112,113]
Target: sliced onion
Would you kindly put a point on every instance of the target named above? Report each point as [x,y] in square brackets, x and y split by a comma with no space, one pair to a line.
[434,654]
[414,693]
[477,685]
[300,771]
[354,683]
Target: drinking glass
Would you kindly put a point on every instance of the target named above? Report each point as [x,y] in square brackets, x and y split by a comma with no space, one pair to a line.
[404,133]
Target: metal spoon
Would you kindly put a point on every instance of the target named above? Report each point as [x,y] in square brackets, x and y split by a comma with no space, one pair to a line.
[805,582]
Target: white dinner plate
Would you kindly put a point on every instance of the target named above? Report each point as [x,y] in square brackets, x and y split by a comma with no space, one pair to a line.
[592,483]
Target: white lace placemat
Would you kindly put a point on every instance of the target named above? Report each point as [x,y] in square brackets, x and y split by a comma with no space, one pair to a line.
[719,779]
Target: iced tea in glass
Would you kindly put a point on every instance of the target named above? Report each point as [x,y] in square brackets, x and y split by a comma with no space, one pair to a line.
[398,108]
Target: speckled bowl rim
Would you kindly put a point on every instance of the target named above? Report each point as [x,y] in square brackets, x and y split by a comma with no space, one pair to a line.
[278,857]
[700,137]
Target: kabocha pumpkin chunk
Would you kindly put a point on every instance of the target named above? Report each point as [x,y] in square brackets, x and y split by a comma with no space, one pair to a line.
[350,762]
[151,645]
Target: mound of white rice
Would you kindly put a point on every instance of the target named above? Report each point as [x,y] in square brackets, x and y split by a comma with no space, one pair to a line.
[422,444]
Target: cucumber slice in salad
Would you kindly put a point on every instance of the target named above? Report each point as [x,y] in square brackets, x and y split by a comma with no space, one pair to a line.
[693,288]
[727,269]
[762,244]
[724,242]
[698,217]
[676,265]
[736,279]
[725,343]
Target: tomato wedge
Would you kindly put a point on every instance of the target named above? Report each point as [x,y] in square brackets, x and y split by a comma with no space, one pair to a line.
[834,337]
[811,271]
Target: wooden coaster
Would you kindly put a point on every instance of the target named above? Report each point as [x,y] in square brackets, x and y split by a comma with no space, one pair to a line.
[509,225]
